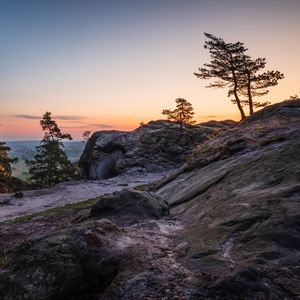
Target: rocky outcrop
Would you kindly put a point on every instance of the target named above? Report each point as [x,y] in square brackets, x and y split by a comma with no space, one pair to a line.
[154,147]
[233,230]
[241,206]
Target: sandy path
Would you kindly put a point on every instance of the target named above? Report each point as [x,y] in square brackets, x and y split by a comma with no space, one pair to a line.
[66,193]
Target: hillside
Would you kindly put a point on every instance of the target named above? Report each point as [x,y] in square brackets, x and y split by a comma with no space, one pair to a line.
[224,225]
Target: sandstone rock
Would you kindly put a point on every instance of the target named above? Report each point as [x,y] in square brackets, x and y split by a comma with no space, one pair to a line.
[241,206]
[233,232]
[130,204]
[154,147]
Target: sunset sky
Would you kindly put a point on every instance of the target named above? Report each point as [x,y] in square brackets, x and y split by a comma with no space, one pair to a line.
[111,64]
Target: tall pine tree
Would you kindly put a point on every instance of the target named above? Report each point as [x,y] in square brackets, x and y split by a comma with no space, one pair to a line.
[233,68]
[224,66]
[51,164]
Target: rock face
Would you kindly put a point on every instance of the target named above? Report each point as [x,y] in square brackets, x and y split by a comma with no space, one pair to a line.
[233,230]
[241,203]
[154,147]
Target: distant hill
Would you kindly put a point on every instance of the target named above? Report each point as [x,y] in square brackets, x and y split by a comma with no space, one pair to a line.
[26,150]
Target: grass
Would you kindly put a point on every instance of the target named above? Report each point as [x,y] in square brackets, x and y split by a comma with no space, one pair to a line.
[56,211]
[5,259]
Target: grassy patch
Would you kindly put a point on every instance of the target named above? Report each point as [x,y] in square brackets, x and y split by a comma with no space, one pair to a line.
[56,211]
[272,139]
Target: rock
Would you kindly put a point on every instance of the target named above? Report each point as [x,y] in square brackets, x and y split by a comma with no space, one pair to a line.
[103,150]
[130,204]
[232,233]
[154,147]
[240,203]
[75,263]
[18,195]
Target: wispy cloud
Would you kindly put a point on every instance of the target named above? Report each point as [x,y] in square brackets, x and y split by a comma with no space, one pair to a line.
[102,125]
[210,116]
[58,117]
[105,126]
[28,117]
[67,127]
[67,117]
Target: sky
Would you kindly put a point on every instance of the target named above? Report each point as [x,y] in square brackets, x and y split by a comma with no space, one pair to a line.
[103,65]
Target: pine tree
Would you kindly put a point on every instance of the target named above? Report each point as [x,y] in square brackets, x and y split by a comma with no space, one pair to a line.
[183,114]
[5,169]
[224,65]
[51,164]
[237,71]
[252,84]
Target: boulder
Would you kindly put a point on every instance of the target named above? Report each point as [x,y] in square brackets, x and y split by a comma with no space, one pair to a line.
[130,204]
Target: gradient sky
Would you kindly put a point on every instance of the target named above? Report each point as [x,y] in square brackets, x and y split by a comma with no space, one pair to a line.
[112,64]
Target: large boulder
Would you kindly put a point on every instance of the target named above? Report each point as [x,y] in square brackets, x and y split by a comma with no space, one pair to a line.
[130,204]
[154,147]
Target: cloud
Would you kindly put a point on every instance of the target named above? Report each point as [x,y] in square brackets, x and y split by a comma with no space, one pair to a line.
[67,127]
[58,117]
[210,116]
[101,125]
[67,117]
[28,117]
[90,126]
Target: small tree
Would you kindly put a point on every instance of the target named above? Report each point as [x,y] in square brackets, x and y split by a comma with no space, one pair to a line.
[5,169]
[86,135]
[51,164]
[294,97]
[183,114]
[5,161]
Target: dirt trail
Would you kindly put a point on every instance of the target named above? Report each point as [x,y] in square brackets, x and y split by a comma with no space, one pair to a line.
[66,193]
[157,270]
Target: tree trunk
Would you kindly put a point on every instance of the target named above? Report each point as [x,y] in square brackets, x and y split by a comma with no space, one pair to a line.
[237,99]
[249,95]
[238,102]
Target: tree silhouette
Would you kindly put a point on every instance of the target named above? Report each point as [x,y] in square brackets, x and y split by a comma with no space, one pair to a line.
[86,135]
[5,169]
[255,85]
[237,71]
[225,65]
[5,161]
[51,164]
[182,114]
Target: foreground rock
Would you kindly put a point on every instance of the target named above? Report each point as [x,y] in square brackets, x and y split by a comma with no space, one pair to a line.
[100,260]
[154,147]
